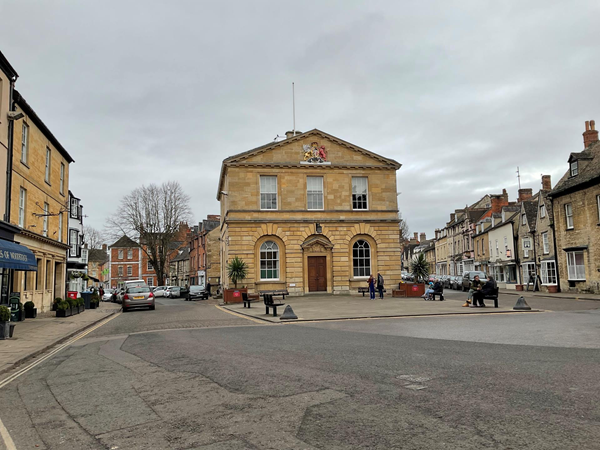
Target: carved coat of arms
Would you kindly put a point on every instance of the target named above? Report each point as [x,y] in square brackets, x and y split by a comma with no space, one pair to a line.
[314,153]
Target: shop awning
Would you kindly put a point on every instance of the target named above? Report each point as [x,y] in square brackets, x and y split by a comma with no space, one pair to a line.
[94,279]
[15,256]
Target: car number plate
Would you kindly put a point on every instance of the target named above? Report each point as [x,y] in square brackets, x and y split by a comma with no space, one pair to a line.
[139,298]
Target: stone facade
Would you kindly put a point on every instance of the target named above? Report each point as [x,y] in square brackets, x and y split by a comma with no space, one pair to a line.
[8,75]
[292,234]
[548,265]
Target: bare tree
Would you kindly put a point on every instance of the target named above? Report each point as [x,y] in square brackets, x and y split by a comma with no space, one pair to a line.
[151,215]
[93,237]
[404,231]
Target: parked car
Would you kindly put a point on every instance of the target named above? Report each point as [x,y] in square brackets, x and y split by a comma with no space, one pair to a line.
[469,276]
[107,297]
[139,296]
[173,291]
[159,291]
[197,292]
[455,283]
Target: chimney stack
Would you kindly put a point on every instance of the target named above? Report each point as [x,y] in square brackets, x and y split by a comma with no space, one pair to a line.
[498,201]
[104,248]
[546,183]
[525,194]
[416,236]
[590,135]
[452,216]
[422,237]
[289,134]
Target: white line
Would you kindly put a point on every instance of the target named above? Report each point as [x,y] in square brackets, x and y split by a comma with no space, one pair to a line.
[8,442]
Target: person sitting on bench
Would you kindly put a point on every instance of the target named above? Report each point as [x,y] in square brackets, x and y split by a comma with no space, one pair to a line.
[488,288]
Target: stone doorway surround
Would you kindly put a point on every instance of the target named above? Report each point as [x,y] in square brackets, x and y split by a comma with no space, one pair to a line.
[317,245]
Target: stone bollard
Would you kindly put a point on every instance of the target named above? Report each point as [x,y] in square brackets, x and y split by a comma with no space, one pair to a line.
[522,305]
[288,314]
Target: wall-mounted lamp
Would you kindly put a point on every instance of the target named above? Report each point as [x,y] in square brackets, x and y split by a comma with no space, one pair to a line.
[318,228]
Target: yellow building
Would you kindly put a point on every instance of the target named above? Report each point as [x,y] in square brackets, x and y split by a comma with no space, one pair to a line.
[39,206]
[311,213]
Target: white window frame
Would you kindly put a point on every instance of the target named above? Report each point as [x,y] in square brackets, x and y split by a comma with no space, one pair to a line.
[62,178]
[574,168]
[120,254]
[364,270]
[60,227]
[267,192]
[526,245]
[523,219]
[129,271]
[542,211]
[45,222]
[271,263]
[497,248]
[149,265]
[129,253]
[355,193]
[22,206]
[73,242]
[25,143]
[120,271]
[150,281]
[569,216]
[314,193]
[74,210]
[549,274]
[528,270]
[575,272]
[48,163]
[545,243]
[84,255]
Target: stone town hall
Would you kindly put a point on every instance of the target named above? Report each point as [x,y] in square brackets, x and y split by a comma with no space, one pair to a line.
[311,213]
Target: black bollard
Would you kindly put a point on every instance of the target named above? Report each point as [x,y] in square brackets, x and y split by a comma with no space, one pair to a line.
[288,314]
[522,305]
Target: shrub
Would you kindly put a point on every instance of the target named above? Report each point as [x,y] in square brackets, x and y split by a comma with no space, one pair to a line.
[237,270]
[80,302]
[62,305]
[29,306]
[72,302]
[4,314]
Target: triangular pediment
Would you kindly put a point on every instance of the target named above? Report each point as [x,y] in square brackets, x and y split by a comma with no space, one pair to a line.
[316,241]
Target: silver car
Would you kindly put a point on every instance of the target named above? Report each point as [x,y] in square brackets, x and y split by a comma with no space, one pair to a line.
[159,291]
[107,297]
[139,296]
[173,292]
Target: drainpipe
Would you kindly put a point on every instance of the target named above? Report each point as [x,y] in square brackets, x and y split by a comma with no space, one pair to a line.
[10,154]
[555,255]
[535,284]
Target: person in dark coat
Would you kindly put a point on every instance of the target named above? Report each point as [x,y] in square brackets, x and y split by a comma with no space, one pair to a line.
[488,288]
[380,285]
[371,282]
[208,288]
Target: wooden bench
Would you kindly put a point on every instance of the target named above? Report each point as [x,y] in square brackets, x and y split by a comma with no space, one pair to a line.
[275,293]
[365,290]
[438,293]
[269,303]
[248,299]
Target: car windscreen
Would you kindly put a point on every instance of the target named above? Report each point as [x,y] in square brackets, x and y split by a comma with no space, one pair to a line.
[196,288]
[138,290]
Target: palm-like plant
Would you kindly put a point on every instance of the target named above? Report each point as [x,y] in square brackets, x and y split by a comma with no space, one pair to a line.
[420,268]
[237,270]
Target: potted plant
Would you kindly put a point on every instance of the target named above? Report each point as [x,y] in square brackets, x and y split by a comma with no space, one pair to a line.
[30,310]
[80,305]
[55,303]
[63,309]
[73,305]
[420,271]
[4,322]
[237,270]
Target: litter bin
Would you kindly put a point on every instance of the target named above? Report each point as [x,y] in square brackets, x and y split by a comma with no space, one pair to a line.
[87,297]
[14,309]
[71,294]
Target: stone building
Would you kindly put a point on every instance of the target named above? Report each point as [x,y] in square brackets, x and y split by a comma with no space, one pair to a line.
[77,257]
[204,252]
[501,239]
[526,238]
[39,205]
[482,245]
[311,213]
[180,268]
[97,263]
[441,252]
[576,211]
[545,242]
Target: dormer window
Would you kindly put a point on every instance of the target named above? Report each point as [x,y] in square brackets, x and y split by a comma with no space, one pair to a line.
[574,168]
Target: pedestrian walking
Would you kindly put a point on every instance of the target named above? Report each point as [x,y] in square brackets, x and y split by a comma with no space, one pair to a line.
[208,287]
[101,292]
[475,285]
[380,285]
[371,282]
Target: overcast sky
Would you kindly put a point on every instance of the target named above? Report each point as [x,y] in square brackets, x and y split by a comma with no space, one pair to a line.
[460,93]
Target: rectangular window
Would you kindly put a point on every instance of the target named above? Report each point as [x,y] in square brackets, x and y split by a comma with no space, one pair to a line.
[46,212]
[526,247]
[149,266]
[129,271]
[38,276]
[575,266]
[62,178]
[314,192]
[60,227]
[569,216]
[574,168]
[84,255]
[22,203]
[74,211]
[268,192]
[497,249]
[548,272]
[129,254]
[528,273]
[73,242]
[48,160]
[24,143]
[545,243]
[360,193]
[542,211]
[523,219]
[120,271]
[150,281]
[49,275]
[120,253]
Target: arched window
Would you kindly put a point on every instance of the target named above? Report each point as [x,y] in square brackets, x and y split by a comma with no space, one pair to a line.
[361,258]
[269,261]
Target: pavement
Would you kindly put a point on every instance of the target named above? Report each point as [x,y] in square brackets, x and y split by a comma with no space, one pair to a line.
[336,307]
[33,336]
[566,295]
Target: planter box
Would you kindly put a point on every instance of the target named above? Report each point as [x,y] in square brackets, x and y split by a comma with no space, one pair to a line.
[31,314]
[92,305]
[398,293]
[4,330]
[81,308]
[552,289]
[519,287]
[12,329]
[414,289]
[234,295]
[65,313]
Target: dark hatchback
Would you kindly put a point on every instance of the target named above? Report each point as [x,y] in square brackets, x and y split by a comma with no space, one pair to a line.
[197,292]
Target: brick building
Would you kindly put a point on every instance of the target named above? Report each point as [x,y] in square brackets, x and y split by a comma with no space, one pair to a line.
[576,215]
[204,252]
[311,213]
[125,261]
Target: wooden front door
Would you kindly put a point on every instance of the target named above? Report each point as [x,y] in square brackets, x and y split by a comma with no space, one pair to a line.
[317,274]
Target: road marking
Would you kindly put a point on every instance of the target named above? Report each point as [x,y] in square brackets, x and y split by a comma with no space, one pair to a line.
[262,322]
[8,442]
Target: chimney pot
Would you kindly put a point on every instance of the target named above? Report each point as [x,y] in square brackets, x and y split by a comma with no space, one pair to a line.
[416,235]
[590,135]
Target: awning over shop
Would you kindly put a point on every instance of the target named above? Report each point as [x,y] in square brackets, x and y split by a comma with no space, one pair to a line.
[94,279]
[15,256]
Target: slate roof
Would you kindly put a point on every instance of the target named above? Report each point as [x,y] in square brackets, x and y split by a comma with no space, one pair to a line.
[125,242]
[589,173]
[97,255]
[185,254]
[531,208]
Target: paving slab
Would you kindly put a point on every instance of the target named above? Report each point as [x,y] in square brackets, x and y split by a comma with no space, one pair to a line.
[335,307]
[33,336]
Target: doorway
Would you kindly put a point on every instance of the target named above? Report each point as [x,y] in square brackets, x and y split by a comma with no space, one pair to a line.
[317,274]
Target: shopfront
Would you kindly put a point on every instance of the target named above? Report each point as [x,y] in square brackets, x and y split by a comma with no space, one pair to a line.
[13,258]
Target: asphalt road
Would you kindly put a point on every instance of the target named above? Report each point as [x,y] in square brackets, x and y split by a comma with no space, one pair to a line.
[224,383]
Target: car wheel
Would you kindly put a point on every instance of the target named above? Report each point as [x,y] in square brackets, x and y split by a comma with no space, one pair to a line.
[125,309]
[153,307]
